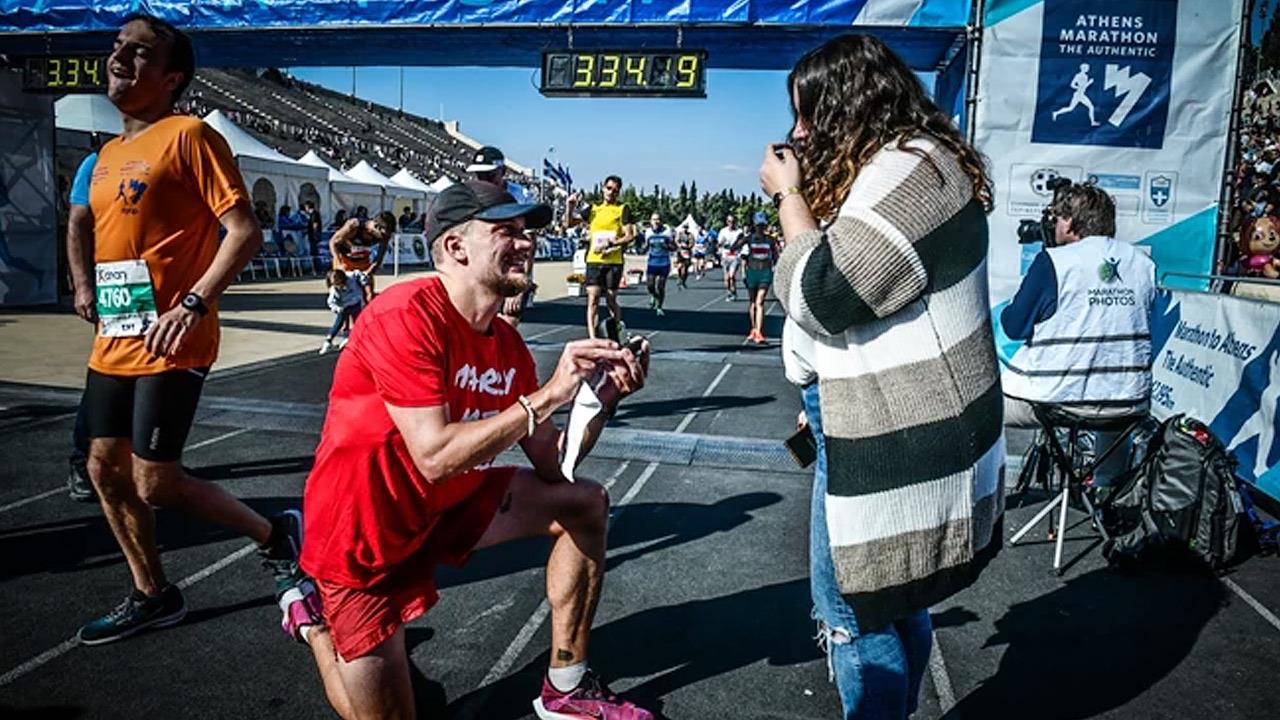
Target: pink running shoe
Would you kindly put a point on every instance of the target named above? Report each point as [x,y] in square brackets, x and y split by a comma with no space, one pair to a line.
[591,700]
[300,606]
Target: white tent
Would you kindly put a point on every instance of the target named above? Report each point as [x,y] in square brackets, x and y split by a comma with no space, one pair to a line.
[441,183]
[345,192]
[690,226]
[398,196]
[87,113]
[405,178]
[270,176]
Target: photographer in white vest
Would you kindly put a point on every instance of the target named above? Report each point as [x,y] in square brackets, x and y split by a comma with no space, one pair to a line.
[1084,312]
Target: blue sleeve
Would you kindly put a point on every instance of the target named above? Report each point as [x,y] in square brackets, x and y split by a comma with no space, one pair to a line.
[80,186]
[1036,300]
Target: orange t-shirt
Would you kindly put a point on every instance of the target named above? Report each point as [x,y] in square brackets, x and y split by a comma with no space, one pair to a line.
[157,197]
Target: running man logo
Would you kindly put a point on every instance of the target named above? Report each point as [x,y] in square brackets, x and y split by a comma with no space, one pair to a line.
[129,193]
[1105,72]
[1109,271]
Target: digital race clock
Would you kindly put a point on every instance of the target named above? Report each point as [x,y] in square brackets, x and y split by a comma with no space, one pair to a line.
[65,74]
[624,73]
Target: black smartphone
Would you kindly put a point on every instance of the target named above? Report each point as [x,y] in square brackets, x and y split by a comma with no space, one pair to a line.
[803,447]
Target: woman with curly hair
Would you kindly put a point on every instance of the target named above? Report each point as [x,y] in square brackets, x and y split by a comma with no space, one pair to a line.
[884,280]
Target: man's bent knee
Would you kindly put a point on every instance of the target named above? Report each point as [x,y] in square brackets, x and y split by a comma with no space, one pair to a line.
[586,507]
[156,482]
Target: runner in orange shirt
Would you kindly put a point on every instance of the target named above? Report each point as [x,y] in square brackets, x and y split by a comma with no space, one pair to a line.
[158,194]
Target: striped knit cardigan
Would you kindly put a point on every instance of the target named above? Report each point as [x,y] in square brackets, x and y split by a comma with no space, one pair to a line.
[888,308]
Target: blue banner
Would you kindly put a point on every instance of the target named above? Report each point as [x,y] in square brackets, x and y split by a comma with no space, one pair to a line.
[82,15]
[1105,71]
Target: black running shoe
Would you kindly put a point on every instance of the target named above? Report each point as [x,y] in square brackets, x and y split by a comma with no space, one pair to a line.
[280,554]
[79,488]
[137,613]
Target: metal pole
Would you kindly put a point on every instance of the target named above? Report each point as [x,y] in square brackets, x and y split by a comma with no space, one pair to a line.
[401,108]
[974,50]
[395,261]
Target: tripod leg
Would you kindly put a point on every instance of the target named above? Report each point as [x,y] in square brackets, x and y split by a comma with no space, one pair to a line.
[1035,520]
[1062,531]
[1094,515]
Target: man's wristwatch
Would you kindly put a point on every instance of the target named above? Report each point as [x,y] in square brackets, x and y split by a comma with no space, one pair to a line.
[781,195]
[195,303]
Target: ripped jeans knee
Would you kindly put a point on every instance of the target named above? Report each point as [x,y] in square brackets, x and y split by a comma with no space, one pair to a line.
[828,637]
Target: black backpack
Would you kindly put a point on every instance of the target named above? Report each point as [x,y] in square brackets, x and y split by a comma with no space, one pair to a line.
[1182,499]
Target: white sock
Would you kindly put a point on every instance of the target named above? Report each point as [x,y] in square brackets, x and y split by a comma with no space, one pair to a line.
[566,678]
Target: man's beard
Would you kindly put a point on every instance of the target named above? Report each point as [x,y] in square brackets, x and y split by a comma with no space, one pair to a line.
[510,287]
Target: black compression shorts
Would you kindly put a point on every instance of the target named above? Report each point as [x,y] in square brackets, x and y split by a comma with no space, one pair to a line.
[154,411]
[604,275]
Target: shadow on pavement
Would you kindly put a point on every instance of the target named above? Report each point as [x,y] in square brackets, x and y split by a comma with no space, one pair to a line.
[731,320]
[679,406]
[676,646]
[1092,645]
[670,524]
[67,544]
[45,712]
[254,468]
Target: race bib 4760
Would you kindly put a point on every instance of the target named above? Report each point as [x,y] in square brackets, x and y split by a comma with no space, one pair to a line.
[126,300]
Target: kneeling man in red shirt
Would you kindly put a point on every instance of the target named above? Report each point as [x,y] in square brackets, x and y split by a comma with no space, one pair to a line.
[427,393]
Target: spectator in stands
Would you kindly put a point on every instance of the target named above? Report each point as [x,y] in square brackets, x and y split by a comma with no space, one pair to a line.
[362,212]
[339,219]
[406,216]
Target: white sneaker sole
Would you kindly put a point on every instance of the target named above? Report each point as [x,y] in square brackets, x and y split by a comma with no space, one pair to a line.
[542,712]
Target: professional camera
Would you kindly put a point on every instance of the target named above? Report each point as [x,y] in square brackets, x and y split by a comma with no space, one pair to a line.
[1042,230]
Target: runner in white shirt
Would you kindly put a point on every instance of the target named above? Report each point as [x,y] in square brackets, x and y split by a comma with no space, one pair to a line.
[727,240]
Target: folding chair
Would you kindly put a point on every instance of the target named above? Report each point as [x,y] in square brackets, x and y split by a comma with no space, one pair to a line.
[1074,473]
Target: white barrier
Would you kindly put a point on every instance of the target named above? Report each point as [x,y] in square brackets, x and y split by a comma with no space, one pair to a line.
[1217,358]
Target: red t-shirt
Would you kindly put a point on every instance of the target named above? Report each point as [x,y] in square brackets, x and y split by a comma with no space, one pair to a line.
[366,506]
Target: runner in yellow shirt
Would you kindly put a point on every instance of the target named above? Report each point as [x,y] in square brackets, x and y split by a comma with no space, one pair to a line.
[610,228]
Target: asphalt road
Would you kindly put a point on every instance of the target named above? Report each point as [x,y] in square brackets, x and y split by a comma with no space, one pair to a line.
[705,612]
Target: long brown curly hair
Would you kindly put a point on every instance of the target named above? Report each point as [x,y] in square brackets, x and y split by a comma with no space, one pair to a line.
[857,96]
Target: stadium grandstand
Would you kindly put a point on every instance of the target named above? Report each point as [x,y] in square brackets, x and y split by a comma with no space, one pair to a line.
[294,117]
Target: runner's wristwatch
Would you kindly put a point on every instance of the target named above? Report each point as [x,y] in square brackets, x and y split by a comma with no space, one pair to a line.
[195,303]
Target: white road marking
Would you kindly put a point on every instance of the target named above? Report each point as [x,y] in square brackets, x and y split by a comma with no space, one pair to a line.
[33,498]
[72,643]
[941,680]
[1253,603]
[539,616]
[50,493]
[684,423]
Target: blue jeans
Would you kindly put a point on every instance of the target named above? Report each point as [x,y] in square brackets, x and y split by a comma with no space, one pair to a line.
[877,673]
[340,317]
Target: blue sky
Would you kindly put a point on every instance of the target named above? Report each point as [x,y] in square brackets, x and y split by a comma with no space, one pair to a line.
[717,142]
